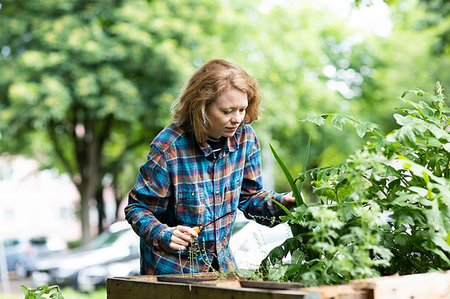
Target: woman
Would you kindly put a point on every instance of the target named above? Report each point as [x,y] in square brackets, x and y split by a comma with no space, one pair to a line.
[204,165]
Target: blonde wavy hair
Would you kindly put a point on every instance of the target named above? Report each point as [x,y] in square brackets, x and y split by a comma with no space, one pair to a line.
[204,87]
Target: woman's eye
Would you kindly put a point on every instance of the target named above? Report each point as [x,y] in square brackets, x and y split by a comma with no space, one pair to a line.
[227,112]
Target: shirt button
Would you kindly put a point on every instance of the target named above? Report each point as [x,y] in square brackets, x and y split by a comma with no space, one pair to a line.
[192,194]
[237,182]
[217,192]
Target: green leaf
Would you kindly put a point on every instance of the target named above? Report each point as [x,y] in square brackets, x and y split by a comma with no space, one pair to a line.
[290,179]
[25,290]
[276,274]
[305,163]
[416,92]
[338,121]
[298,256]
[421,191]
[418,170]
[277,253]
[316,119]
[363,128]
[281,206]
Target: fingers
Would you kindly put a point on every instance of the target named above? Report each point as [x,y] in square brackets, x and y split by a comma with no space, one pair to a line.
[288,199]
[181,237]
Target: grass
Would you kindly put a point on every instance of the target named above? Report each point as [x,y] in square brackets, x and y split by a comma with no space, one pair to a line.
[68,293]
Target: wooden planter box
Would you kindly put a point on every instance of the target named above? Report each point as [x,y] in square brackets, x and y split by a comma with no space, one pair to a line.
[211,286]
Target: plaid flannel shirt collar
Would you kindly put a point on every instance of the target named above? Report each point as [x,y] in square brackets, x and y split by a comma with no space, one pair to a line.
[231,145]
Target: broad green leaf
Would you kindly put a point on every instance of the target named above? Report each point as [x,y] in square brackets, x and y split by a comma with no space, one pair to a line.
[277,253]
[290,179]
[298,256]
[418,169]
[305,163]
[421,191]
[276,274]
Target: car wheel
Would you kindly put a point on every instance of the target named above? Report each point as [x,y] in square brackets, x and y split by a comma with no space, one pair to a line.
[20,270]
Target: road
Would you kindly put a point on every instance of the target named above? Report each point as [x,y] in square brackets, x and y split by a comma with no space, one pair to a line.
[15,283]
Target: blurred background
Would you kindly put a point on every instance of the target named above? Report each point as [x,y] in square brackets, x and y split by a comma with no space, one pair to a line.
[86,85]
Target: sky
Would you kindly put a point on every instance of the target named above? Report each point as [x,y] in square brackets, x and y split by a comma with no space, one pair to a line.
[373,18]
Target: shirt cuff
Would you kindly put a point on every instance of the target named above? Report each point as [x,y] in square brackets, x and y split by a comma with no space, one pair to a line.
[162,240]
[278,210]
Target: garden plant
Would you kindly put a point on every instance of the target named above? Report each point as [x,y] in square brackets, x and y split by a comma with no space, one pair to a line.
[42,292]
[384,211]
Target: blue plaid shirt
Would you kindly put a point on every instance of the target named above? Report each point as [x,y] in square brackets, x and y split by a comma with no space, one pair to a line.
[182,184]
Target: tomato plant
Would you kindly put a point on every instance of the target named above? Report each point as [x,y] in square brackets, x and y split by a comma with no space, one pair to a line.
[385,210]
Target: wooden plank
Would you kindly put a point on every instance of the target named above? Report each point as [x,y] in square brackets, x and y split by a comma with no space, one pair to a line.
[434,285]
[416,286]
[123,288]
[344,291]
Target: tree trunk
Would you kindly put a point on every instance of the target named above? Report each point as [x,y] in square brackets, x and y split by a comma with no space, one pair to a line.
[84,214]
[89,162]
[100,209]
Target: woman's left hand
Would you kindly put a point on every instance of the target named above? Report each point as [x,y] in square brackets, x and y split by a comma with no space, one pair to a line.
[288,200]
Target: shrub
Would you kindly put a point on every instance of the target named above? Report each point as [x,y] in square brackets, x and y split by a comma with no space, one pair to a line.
[385,210]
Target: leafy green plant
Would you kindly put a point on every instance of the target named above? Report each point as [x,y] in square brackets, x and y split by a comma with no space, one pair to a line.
[385,210]
[42,292]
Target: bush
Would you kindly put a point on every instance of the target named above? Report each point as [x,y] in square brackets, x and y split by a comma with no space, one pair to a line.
[385,210]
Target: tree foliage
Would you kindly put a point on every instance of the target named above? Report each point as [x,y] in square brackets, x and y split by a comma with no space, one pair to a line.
[92,81]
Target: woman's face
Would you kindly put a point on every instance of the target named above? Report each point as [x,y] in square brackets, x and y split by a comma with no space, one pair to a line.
[226,113]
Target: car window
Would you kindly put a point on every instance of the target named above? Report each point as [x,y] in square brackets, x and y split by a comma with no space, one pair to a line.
[37,241]
[106,238]
[11,242]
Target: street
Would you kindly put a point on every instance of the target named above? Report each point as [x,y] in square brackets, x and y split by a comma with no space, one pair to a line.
[15,283]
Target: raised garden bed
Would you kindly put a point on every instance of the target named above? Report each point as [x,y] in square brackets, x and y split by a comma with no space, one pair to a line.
[211,285]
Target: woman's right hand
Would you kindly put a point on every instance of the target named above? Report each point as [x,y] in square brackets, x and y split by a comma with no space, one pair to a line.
[181,237]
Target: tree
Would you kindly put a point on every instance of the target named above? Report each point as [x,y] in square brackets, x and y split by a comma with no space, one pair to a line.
[85,84]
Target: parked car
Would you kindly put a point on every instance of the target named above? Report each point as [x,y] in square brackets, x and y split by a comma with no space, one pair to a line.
[22,252]
[95,276]
[118,243]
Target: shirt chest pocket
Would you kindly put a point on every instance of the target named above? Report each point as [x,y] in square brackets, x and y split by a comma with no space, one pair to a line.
[233,190]
[190,206]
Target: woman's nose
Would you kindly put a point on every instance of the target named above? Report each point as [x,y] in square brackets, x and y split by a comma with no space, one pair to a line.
[236,118]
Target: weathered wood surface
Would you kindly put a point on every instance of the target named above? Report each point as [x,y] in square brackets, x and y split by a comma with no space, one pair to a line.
[435,285]
[344,291]
[417,286]
[124,288]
